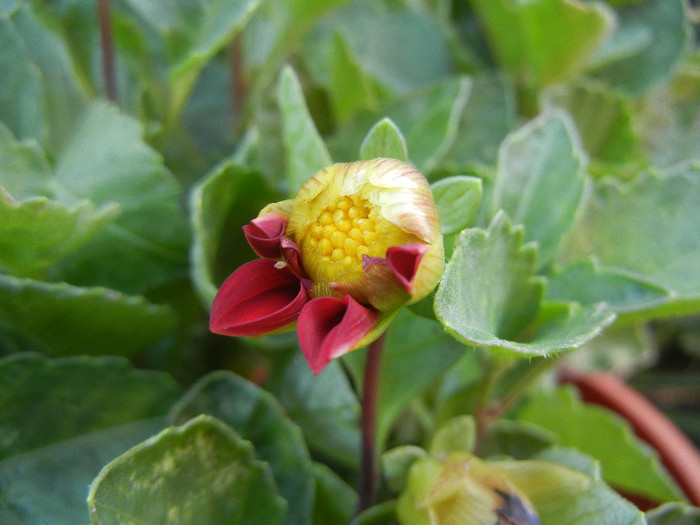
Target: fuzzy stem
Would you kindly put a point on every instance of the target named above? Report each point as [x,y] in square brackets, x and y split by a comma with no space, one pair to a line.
[368,474]
[108,67]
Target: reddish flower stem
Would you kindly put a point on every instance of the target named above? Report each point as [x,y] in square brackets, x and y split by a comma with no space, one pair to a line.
[368,473]
[108,66]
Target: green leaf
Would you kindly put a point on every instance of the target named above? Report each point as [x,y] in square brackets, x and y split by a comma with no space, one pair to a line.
[36,233]
[604,120]
[384,140]
[457,435]
[22,106]
[220,205]
[428,119]
[336,501]
[106,162]
[515,439]
[63,420]
[488,296]
[65,95]
[587,283]
[25,172]
[259,418]
[350,89]
[648,41]
[45,401]
[540,181]
[305,151]
[199,472]
[546,41]
[626,462]
[317,404]
[489,115]
[38,487]
[192,33]
[412,343]
[61,319]
[397,462]
[562,494]
[673,514]
[647,227]
[457,199]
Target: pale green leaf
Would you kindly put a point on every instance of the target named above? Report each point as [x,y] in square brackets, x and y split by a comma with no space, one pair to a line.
[626,462]
[24,172]
[107,162]
[22,106]
[489,296]
[540,181]
[648,41]
[384,140]
[259,418]
[220,205]
[489,115]
[648,228]
[458,199]
[305,151]
[199,472]
[587,283]
[456,435]
[46,401]
[674,514]
[60,319]
[562,494]
[604,120]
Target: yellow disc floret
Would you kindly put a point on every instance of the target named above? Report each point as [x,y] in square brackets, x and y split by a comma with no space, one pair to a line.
[333,245]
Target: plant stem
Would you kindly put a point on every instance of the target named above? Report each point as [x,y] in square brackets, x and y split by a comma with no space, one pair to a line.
[368,473]
[108,67]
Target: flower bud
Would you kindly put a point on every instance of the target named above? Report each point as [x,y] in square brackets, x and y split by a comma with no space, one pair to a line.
[462,489]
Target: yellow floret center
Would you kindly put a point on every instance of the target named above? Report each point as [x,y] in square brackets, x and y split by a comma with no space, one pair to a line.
[333,245]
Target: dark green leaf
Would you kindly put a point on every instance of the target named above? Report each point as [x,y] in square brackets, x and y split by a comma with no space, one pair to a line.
[259,418]
[50,484]
[199,472]
[324,406]
[626,462]
[336,501]
[515,439]
[106,162]
[226,200]
[61,319]
[540,180]
[45,401]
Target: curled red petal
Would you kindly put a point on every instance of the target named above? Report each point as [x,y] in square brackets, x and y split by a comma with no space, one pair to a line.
[256,299]
[404,261]
[329,327]
[265,233]
[292,255]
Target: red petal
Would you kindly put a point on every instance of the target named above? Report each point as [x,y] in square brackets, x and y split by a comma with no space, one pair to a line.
[256,299]
[292,255]
[329,327]
[404,261]
[264,234]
